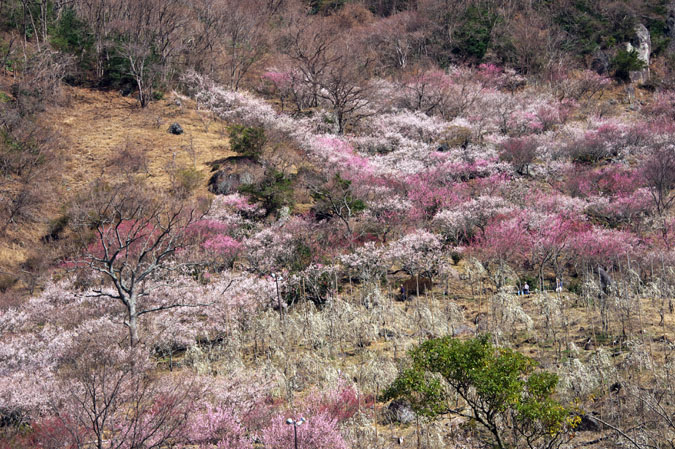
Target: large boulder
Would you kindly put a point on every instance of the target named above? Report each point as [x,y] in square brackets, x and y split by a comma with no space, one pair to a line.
[642,44]
[600,62]
[234,172]
[400,411]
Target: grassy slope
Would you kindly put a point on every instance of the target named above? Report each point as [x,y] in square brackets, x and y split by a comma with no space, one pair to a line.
[95,126]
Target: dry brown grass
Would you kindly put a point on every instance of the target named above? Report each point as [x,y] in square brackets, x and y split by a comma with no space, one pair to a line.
[94,127]
[98,125]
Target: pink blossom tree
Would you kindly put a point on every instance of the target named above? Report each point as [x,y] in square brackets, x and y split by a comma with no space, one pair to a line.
[520,152]
[505,240]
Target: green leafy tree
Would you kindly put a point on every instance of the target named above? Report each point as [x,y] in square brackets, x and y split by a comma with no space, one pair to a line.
[625,62]
[247,141]
[72,35]
[472,37]
[273,192]
[498,385]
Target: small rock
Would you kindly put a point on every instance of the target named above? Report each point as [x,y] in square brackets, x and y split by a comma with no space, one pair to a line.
[176,129]
[387,333]
[589,345]
[462,329]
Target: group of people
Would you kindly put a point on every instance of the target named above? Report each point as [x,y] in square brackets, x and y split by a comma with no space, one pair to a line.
[403,294]
[526,288]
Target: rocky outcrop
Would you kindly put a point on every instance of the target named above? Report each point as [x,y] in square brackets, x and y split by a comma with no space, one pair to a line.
[642,44]
[600,62]
[400,411]
[233,172]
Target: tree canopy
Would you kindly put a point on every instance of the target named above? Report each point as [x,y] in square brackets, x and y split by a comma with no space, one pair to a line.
[499,386]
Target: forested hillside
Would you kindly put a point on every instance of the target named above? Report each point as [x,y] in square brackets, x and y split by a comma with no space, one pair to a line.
[337,224]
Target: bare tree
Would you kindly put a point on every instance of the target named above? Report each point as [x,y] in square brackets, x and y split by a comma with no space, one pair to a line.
[397,40]
[343,84]
[232,37]
[151,36]
[134,242]
[101,16]
[335,198]
[309,44]
[27,163]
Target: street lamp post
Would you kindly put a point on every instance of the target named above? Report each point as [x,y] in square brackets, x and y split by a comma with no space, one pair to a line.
[296,424]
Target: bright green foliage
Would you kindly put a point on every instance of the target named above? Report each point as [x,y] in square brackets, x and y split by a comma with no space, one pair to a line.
[537,411]
[425,393]
[247,140]
[498,385]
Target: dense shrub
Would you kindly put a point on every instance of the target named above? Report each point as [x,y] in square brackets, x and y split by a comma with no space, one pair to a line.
[519,152]
[274,192]
[472,37]
[595,145]
[497,384]
[247,141]
[625,62]
[592,26]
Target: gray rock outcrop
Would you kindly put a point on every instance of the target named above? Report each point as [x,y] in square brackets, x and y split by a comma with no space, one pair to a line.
[400,411]
[234,172]
[642,44]
[600,62]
